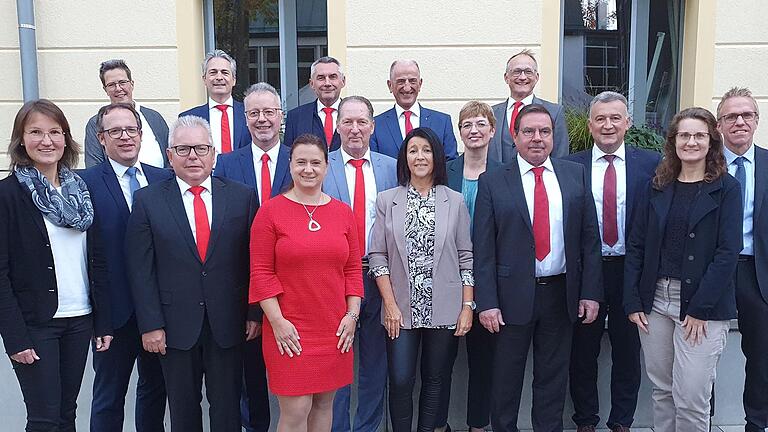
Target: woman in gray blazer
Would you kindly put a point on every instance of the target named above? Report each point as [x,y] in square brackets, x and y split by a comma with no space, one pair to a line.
[421,257]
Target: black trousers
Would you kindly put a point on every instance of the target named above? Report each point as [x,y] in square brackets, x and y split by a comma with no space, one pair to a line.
[222,369]
[550,331]
[753,325]
[625,356]
[254,400]
[438,348]
[50,385]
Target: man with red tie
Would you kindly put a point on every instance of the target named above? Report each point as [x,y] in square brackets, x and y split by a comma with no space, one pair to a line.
[326,78]
[187,257]
[616,173]
[225,115]
[537,269]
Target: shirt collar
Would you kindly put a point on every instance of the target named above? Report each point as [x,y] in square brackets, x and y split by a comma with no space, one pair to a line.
[346,157]
[525,166]
[526,101]
[749,155]
[120,169]
[620,153]
[136,106]
[184,187]
[320,106]
[415,109]
[273,152]
[212,103]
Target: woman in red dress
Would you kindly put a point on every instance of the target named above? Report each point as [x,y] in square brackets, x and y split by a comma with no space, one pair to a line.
[306,274]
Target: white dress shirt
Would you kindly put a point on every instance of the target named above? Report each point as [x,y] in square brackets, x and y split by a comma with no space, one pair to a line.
[511,107]
[749,194]
[415,117]
[189,207]
[599,166]
[214,116]
[321,113]
[370,190]
[70,256]
[124,180]
[554,263]
[272,164]
[150,152]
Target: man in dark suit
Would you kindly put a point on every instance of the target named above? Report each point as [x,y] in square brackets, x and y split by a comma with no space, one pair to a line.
[355,176]
[262,165]
[112,184]
[393,125]
[319,117]
[616,174]
[225,115]
[188,264]
[737,119]
[521,75]
[537,269]
[117,83]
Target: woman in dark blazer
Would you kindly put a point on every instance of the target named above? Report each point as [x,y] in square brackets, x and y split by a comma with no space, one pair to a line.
[681,255]
[52,270]
[420,255]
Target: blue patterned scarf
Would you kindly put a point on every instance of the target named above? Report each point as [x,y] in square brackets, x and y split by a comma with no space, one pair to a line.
[71,207]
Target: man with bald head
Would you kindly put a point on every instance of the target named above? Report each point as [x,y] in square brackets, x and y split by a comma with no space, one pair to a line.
[393,125]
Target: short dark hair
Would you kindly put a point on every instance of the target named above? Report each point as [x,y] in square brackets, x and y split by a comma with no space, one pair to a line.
[311,140]
[530,109]
[108,65]
[16,149]
[106,109]
[439,171]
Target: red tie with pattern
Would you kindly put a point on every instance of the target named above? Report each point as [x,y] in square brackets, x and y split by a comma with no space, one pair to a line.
[358,204]
[408,125]
[610,225]
[266,181]
[540,215]
[328,126]
[202,229]
[515,112]
[226,141]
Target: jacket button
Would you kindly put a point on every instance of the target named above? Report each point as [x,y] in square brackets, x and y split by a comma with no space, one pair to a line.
[47,245]
[204,274]
[692,235]
[50,268]
[690,257]
[202,303]
[688,281]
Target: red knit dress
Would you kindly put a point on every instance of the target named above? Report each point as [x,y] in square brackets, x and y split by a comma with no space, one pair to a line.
[311,273]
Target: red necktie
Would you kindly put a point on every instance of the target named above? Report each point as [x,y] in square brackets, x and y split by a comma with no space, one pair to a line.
[408,125]
[515,112]
[226,141]
[540,215]
[202,230]
[266,182]
[328,126]
[358,204]
[610,227]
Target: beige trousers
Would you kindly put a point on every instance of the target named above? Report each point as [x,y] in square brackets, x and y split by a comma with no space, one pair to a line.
[682,375]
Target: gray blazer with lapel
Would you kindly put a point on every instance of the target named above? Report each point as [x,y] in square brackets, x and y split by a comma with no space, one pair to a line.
[335,183]
[453,251]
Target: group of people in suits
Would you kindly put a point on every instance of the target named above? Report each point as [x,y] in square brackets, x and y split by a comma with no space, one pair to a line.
[256,262]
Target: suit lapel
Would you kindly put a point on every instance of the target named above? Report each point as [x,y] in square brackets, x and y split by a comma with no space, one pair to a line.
[33,212]
[238,112]
[280,170]
[501,119]
[566,190]
[704,203]
[394,127]
[761,179]
[631,179]
[176,207]
[515,183]
[340,178]
[219,202]
[246,166]
[399,208]
[377,168]
[456,174]
[426,117]
[661,201]
[442,212]
[110,180]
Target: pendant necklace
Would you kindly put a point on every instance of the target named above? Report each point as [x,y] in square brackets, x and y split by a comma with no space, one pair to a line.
[313,225]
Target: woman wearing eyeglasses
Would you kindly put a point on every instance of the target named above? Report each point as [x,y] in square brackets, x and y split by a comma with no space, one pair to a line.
[52,271]
[680,260]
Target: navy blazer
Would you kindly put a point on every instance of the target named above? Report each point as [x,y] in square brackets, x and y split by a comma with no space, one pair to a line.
[238,166]
[710,252]
[304,119]
[387,139]
[112,212]
[760,220]
[505,256]
[455,170]
[241,135]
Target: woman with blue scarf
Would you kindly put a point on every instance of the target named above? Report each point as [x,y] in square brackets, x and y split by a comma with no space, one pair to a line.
[52,270]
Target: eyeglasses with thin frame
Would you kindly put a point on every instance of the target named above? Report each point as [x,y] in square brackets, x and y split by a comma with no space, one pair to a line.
[699,137]
[467,126]
[117,133]
[113,85]
[185,150]
[747,116]
[269,113]
[530,132]
[517,72]
[37,135]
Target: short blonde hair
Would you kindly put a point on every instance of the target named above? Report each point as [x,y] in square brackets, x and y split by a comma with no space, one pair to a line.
[737,92]
[525,52]
[477,109]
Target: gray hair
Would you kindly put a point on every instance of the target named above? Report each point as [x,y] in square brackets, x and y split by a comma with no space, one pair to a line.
[525,52]
[217,53]
[407,61]
[609,96]
[189,121]
[325,60]
[360,99]
[262,87]
[736,92]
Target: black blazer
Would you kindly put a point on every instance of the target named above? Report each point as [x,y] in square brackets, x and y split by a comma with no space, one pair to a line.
[28,288]
[505,256]
[172,288]
[455,170]
[760,220]
[710,252]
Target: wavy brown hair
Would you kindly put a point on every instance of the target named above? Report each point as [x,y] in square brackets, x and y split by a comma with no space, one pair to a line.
[670,166]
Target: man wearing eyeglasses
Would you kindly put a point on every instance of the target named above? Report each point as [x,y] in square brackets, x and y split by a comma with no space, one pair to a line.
[737,120]
[112,184]
[537,269]
[117,83]
[521,75]
[187,253]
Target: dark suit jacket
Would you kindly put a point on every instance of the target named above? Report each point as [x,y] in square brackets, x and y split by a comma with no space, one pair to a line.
[240,137]
[505,258]
[28,287]
[238,166]
[304,119]
[502,148]
[94,152]
[387,139]
[112,212]
[710,252]
[456,171]
[172,287]
[760,220]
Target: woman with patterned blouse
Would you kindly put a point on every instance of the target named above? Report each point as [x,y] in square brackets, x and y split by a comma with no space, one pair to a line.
[421,256]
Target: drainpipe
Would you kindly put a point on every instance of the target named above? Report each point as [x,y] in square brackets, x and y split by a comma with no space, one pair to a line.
[28,49]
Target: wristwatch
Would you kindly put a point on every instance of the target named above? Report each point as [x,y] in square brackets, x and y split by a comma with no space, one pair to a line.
[472,305]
